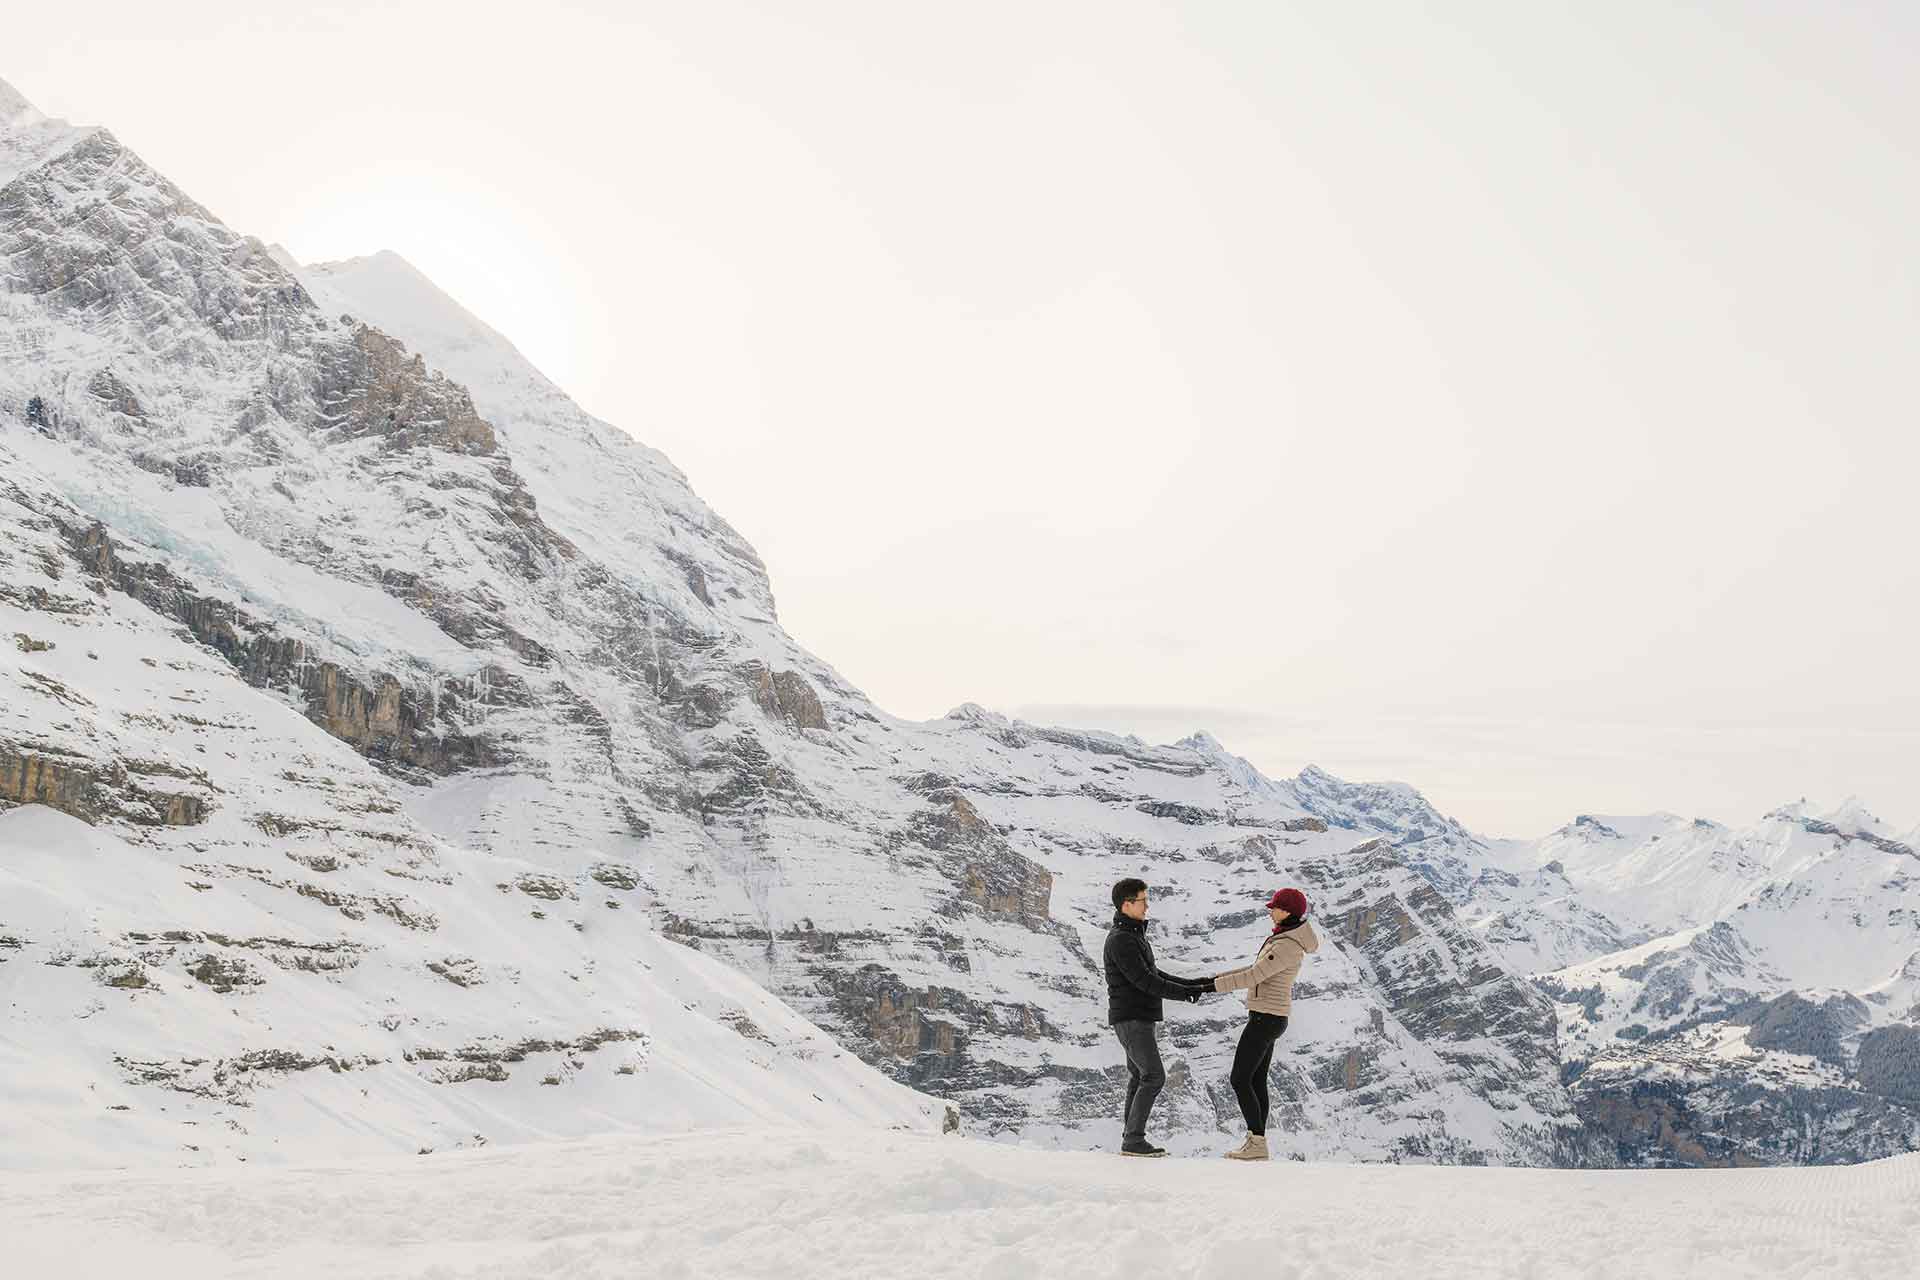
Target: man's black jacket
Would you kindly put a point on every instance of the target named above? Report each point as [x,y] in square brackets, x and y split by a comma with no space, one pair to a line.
[1134,985]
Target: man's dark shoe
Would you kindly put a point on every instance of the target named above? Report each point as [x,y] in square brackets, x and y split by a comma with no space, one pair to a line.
[1141,1148]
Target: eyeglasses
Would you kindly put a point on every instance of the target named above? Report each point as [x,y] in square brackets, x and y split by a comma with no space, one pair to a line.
[1138,897]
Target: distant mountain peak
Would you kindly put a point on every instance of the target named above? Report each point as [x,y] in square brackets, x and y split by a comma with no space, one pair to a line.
[385,259]
[1203,742]
[412,307]
[1852,814]
[1591,827]
[1319,780]
[28,137]
[15,110]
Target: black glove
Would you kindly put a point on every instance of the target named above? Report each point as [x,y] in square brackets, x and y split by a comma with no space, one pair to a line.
[1192,996]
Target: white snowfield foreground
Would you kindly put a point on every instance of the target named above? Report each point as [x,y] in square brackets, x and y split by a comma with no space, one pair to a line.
[856,1203]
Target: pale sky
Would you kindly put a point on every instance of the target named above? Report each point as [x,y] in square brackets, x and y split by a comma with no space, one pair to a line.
[1516,400]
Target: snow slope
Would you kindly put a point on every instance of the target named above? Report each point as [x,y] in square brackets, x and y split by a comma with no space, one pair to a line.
[253,953]
[843,1203]
[606,492]
[339,1041]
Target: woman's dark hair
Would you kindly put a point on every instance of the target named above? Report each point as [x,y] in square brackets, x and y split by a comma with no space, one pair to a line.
[1126,889]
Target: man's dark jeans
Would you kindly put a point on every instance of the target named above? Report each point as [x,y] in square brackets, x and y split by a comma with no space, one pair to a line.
[1145,1075]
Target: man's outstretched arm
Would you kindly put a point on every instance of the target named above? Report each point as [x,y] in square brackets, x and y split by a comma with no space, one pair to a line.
[1132,962]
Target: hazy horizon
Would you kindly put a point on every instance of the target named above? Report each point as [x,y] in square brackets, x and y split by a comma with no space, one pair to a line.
[1514,403]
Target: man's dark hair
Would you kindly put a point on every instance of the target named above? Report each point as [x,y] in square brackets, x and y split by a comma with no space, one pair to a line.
[1126,889]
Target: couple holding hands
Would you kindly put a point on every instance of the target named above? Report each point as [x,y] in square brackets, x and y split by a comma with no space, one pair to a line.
[1135,988]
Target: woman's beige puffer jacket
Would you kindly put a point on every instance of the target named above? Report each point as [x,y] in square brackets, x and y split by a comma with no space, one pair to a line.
[1268,981]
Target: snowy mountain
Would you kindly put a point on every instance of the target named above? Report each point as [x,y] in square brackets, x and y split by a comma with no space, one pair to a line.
[231,939]
[1723,995]
[434,721]
[391,636]
[1780,1022]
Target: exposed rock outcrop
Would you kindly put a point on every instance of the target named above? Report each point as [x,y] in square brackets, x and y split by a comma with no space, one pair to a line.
[389,721]
[93,791]
[786,695]
[373,387]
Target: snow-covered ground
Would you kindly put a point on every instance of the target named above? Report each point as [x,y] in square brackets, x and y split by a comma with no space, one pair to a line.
[856,1203]
[279,1040]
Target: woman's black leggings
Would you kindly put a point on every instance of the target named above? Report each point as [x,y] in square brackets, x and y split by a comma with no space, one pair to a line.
[1250,1063]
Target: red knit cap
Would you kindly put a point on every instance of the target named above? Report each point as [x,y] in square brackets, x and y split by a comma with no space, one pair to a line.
[1289,900]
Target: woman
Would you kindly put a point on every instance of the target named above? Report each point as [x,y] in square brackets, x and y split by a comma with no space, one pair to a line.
[1268,982]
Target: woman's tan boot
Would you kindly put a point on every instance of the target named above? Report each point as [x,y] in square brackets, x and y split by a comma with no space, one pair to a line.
[1254,1148]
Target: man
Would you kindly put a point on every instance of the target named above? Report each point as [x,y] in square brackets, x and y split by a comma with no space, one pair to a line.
[1135,988]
